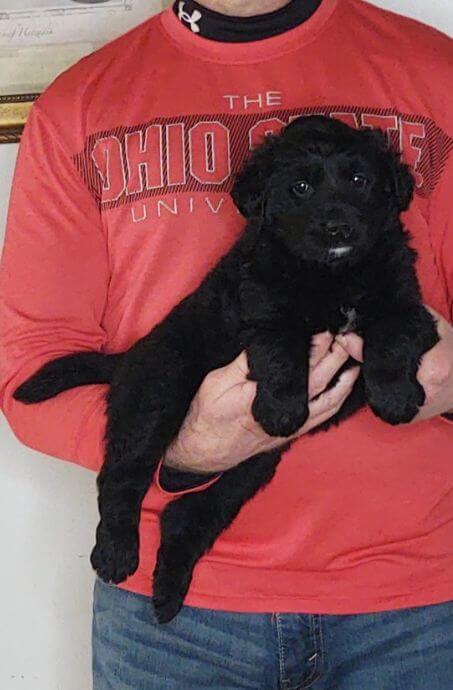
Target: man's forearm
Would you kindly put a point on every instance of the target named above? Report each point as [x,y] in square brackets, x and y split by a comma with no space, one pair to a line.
[70,429]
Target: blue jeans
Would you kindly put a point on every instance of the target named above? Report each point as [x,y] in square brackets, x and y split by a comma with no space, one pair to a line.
[410,649]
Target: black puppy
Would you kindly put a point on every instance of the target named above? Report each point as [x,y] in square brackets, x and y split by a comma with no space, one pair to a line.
[323,249]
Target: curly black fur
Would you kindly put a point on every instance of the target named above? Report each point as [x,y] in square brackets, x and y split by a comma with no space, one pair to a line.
[323,247]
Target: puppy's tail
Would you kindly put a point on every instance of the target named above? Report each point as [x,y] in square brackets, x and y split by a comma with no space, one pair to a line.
[60,374]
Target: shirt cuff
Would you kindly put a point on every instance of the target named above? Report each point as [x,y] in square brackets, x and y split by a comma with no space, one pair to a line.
[176,483]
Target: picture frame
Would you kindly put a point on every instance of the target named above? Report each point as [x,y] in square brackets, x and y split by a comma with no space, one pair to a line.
[39,39]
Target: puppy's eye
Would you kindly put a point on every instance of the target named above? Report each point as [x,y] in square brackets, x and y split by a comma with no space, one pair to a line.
[359,181]
[302,188]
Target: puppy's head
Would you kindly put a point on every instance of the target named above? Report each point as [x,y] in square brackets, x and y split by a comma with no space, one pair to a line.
[327,191]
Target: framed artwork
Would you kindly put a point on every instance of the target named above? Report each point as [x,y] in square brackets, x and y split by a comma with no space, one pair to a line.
[41,38]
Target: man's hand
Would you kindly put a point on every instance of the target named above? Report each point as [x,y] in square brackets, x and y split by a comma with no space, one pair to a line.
[219,431]
[435,373]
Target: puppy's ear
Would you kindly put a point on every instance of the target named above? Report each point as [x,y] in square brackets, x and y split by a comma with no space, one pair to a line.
[404,183]
[249,189]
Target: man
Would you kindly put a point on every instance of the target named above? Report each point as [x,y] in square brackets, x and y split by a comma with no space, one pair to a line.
[339,574]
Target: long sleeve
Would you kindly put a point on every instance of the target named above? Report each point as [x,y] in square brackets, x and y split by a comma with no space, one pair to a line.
[54,277]
[441,221]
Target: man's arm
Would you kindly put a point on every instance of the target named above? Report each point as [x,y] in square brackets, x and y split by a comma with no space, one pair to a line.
[53,288]
[54,278]
[443,214]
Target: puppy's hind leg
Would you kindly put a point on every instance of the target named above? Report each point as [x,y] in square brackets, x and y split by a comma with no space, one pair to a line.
[191,524]
[122,483]
[143,419]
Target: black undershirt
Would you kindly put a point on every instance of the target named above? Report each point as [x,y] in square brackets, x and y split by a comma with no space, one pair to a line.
[221,27]
[174,480]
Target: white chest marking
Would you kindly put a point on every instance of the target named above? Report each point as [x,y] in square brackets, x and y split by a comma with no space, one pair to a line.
[339,251]
[351,319]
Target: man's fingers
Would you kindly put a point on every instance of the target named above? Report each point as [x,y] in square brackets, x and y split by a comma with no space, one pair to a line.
[233,373]
[248,393]
[320,346]
[321,375]
[219,382]
[327,403]
[352,344]
[433,312]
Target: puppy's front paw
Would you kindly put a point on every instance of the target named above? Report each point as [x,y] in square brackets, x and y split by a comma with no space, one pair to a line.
[170,585]
[395,402]
[116,553]
[280,416]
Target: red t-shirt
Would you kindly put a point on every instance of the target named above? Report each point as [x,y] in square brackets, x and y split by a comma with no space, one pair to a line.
[120,206]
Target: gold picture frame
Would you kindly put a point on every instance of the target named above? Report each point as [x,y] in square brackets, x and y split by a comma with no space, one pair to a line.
[14,111]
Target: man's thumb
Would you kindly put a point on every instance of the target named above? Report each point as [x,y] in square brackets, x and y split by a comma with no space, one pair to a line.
[236,372]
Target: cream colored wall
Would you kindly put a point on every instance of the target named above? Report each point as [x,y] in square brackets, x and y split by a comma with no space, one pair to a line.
[47,521]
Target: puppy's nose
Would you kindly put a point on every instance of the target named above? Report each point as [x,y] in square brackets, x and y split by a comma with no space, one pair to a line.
[340,230]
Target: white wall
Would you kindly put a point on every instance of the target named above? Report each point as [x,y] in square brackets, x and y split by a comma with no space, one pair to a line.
[438,13]
[47,520]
